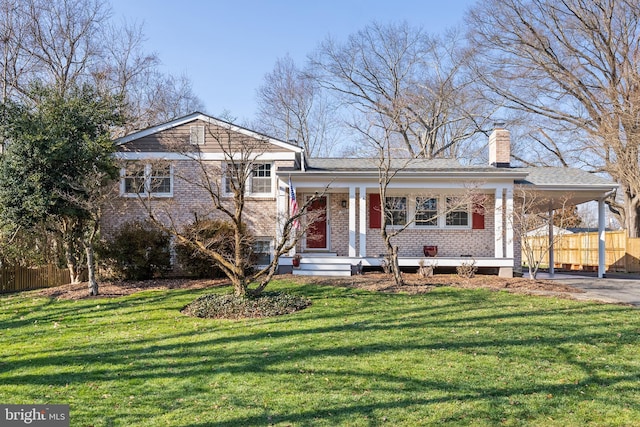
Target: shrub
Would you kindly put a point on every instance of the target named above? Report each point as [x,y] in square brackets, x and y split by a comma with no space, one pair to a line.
[216,236]
[138,251]
[231,307]
[467,269]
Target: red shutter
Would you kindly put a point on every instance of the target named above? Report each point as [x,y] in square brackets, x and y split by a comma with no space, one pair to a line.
[477,217]
[375,213]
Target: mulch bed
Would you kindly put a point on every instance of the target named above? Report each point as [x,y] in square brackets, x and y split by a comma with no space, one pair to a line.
[414,284]
[370,281]
[117,289]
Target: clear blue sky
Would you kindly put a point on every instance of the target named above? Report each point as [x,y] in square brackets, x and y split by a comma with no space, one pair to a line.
[227,46]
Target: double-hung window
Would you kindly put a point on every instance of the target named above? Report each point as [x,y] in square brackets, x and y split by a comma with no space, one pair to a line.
[396,208]
[231,174]
[147,179]
[133,178]
[426,212]
[259,178]
[457,214]
[262,248]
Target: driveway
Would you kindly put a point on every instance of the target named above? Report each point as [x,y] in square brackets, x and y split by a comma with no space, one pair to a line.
[617,289]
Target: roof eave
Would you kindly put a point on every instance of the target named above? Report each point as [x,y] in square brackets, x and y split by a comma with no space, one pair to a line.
[210,119]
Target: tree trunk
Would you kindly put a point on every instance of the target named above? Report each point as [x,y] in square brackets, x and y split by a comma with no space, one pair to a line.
[632,216]
[72,261]
[395,267]
[91,270]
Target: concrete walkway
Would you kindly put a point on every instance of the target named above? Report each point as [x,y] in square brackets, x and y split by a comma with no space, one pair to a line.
[617,289]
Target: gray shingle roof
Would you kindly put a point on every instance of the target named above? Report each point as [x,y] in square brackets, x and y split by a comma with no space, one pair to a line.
[551,176]
[538,176]
[421,165]
[361,164]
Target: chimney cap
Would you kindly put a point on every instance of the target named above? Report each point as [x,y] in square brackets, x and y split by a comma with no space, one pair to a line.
[498,125]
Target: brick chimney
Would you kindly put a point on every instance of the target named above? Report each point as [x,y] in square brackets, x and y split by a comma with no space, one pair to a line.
[500,147]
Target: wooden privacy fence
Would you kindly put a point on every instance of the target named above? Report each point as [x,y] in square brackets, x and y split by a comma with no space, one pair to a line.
[14,279]
[579,251]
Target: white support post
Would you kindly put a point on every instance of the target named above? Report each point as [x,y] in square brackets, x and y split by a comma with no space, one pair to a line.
[352,221]
[362,230]
[498,224]
[552,261]
[601,240]
[282,201]
[509,222]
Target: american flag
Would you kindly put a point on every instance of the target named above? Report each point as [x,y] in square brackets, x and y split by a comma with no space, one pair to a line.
[293,204]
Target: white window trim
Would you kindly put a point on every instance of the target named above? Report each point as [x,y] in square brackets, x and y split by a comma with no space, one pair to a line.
[147,182]
[456,227]
[249,184]
[442,213]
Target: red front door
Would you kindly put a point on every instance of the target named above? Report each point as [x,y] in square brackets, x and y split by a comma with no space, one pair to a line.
[317,231]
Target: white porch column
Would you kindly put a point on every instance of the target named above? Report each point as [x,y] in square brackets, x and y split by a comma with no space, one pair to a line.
[552,260]
[498,224]
[601,239]
[282,199]
[362,230]
[352,221]
[509,223]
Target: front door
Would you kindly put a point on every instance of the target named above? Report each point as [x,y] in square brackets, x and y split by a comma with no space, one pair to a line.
[317,231]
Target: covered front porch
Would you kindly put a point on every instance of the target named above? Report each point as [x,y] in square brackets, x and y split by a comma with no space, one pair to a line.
[318,264]
[347,238]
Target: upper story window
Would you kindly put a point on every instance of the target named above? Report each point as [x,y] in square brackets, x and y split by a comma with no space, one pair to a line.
[133,177]
[196,134]
[426,211]
[260,179]
[231,173]
[396,208]
[147,179]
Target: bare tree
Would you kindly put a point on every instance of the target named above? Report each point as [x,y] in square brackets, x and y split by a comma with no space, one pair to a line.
[63,37]
[15,63]
[391,162]
[225,185]
[419,83]
[65,43]
[575,63]
[292,106]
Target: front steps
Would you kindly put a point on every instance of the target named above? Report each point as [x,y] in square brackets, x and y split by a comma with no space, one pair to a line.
[323,266]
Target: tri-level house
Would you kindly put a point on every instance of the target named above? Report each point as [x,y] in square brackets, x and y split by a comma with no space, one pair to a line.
[346,192]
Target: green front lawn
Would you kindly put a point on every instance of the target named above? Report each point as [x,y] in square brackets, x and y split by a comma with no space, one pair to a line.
[464,357]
